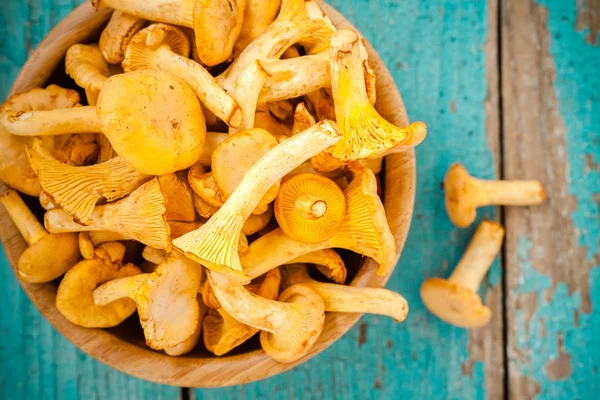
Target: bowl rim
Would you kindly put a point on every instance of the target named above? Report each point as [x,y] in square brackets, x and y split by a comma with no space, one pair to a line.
[194,370]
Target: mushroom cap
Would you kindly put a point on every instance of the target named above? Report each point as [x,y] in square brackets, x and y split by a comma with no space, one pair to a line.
[310,208]
[255,223]
[233,158]
[303,333]
[140,51]
[204,185]
[117,35]
[165,130]
[222,332]
[461,196]
[214,41]
[15,170]
[180,204]
[49,258]
[454,304]
[75,295]
[188,344]
[167,303]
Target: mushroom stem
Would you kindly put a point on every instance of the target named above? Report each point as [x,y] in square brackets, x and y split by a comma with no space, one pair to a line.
[202,83]
[155,256]
[479,256]
[267,315]
[310,206]
[214,245]
[118,289]
[61,121]
[511,193]
[350,299]
[22,217]
[178,12]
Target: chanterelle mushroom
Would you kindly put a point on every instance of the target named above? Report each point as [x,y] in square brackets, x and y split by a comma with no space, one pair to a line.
[365,231]
[78,189]
[14,165]
[366,133]
[293,24]
[180,204]
[222,333]
[48,255]
[196,14]
[75,294]
[258,15]
[140,216]
[328,263]
[455,300]
[234,157]
[290,326]
[214,245]
[164,132]
[310,208]
[117,34]
[464,194]
[85,64]
[341,298]
[167,303]
[165,47]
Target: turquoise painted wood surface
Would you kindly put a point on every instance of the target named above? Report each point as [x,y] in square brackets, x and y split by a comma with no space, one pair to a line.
[446,58]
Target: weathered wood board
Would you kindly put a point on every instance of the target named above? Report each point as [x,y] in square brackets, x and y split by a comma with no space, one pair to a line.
[551,119]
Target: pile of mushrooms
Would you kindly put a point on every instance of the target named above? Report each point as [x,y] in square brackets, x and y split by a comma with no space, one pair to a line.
[210,203]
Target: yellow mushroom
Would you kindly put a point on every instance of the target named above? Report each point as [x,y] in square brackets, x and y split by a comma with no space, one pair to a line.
[75,294]
[222,333]
[165,47]
[140,216]
[294,77]
[123,288]
[113,252]
[327,261]
[349,299]
[78,189]
[46,202]
[74,149]
[258,15]
[246,90]
[283,110]
[41,261]
[203,208]
[290,325]
[464,194]
[167,303]
[157,136]
[217,28]
[455,300]
[117,34]
[265,120]
[255,223]
[180,204]
[310,208]
[204,185]
[365,231]
[234,157]
[208,296]
[292,25]
[321,104]
[85,64]
[99,237]
[86,246]
[164,132]
[190,343]
[366,133]
[214,245]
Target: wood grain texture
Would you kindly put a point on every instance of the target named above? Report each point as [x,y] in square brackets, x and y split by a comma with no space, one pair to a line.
[199,369]
[441,70]
[551,132]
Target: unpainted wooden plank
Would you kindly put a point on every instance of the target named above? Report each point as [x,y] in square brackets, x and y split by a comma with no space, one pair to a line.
[36,361]
[435,51]
[552,132]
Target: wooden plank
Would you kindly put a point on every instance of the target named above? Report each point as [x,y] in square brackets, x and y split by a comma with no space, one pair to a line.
[36,361]
[551,125]
[441,71]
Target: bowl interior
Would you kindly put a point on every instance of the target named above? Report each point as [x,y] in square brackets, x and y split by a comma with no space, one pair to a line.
[123,347]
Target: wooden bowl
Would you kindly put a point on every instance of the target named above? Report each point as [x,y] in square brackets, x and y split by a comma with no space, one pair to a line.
[125,351]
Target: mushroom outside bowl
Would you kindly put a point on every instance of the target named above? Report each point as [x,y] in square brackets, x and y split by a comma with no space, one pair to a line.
[123,348]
